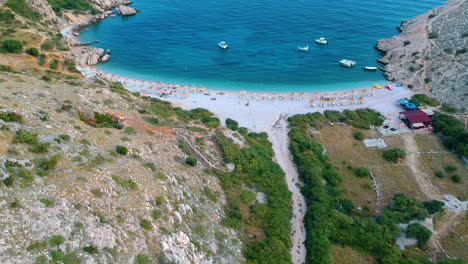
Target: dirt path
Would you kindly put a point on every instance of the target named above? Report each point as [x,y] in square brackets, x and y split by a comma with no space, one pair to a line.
[421,178]
[279,137]
[442,231]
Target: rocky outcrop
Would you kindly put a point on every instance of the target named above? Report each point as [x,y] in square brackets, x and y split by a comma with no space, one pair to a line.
[431,53]
[88,56]
[126,10]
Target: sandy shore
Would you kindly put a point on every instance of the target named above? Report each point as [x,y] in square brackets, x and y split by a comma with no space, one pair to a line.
[268,113]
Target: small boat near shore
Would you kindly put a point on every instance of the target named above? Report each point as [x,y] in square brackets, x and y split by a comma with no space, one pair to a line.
[322,41]
[76,34]
[223,45]
[347,63]
[370,68]
[306,48]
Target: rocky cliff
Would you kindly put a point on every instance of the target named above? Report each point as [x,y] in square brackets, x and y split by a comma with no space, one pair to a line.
[431,53]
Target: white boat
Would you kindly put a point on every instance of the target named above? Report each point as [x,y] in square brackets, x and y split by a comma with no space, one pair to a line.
[306,48]
[347,63]
[223,45]
[370,68]
[321,41]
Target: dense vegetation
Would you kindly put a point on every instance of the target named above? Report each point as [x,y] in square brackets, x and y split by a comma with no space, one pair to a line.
[255,169]
[11,46]
[393,155]
[21,8]
[422,99]
[453,132]
[361,118]
[330,219]
[78,5]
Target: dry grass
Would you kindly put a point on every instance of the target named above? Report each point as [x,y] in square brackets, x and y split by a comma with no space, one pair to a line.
[437,161]
[456,242]
[32,39]
[343,150]
[346,255]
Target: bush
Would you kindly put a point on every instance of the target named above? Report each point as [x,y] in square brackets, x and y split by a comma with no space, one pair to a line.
[56,240]
[452,261]
[5,68]
[243,131]
[142,259]
[191,161]
[453,132]
[358,135]
[422,99]
[456,178]
[433,206]
[211,122]
[78,5]
[21,8]
[26,137]
[247,196]
[105,121]
[54,64]
[422,234]
[125,183]
[12,46]
[361,172]
[33,52]
[393,155]
[450,168]
[48,45]
[156,214]
[90,249]
[439,174]
[433,35]
[146,225]
[231,124]
[449,109]
[11,117]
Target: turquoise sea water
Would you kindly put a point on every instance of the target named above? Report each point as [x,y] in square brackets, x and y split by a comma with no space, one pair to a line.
[176,41]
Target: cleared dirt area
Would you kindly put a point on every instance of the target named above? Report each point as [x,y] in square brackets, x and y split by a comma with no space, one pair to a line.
[346,255]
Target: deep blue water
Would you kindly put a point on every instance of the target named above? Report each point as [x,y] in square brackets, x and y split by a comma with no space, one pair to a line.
[177,41]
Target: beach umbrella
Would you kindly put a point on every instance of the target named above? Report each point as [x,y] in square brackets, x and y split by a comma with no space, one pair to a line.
[302,94]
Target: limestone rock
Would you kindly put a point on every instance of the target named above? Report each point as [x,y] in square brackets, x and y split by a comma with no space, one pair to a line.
[430,55]
[105,58]
[126,10]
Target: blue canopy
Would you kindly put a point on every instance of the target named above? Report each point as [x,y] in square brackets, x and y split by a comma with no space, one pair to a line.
[402,101]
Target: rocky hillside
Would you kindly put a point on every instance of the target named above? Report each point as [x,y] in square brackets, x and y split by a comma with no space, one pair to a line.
[431,53]
[89,175]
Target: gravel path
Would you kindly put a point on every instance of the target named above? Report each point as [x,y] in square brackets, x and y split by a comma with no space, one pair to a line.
[279,137]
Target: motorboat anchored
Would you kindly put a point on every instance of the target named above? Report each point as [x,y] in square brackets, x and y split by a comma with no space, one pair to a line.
[306,48]
[347,63]
[322,41]
[223,45]
[370,68]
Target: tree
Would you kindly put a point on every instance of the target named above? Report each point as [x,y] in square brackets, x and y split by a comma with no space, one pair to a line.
[434,206]
[33,52]
[12,46]
[422,234]
[232,124]
[121,150]
[191,161]
[393,155]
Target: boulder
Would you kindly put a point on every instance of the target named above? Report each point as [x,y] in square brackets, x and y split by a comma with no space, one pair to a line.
[126,10]
[105,58]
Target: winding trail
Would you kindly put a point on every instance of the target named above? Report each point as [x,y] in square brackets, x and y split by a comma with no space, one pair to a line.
[280,140]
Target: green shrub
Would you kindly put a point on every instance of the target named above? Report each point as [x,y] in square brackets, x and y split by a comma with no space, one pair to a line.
[358,135]
[247,196]
[191,161]
[130,131]
[449,109]
[461,51]
[11,117]
[21,8]
[90,249]
[361,172]
[142,259]
[48,45]
[210,194]
[78,5]
[57,255]
[26,137]
[43,165]
[6,16]
[54,64]
[105,121]
[450,168]
[456,178]
[56,240]
[156,214]
[47,202]
[146,225]
[452,131]
[334,116]
[243,131]
[33,52]
[125,183]
[434,206]
[393,155]
[121,150]
[231,124]
[211,122]
[62,138]
[451,261]
[422,99]
[433,35]
[12,46]
[439,174]
[422,234]
[5,68]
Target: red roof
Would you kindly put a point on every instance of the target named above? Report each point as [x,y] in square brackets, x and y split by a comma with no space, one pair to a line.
[417,116]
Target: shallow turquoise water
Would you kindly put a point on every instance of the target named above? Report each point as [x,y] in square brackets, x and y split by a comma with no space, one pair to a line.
[176,41]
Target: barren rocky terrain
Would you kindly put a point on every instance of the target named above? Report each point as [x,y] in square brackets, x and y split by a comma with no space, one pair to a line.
[431,53]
